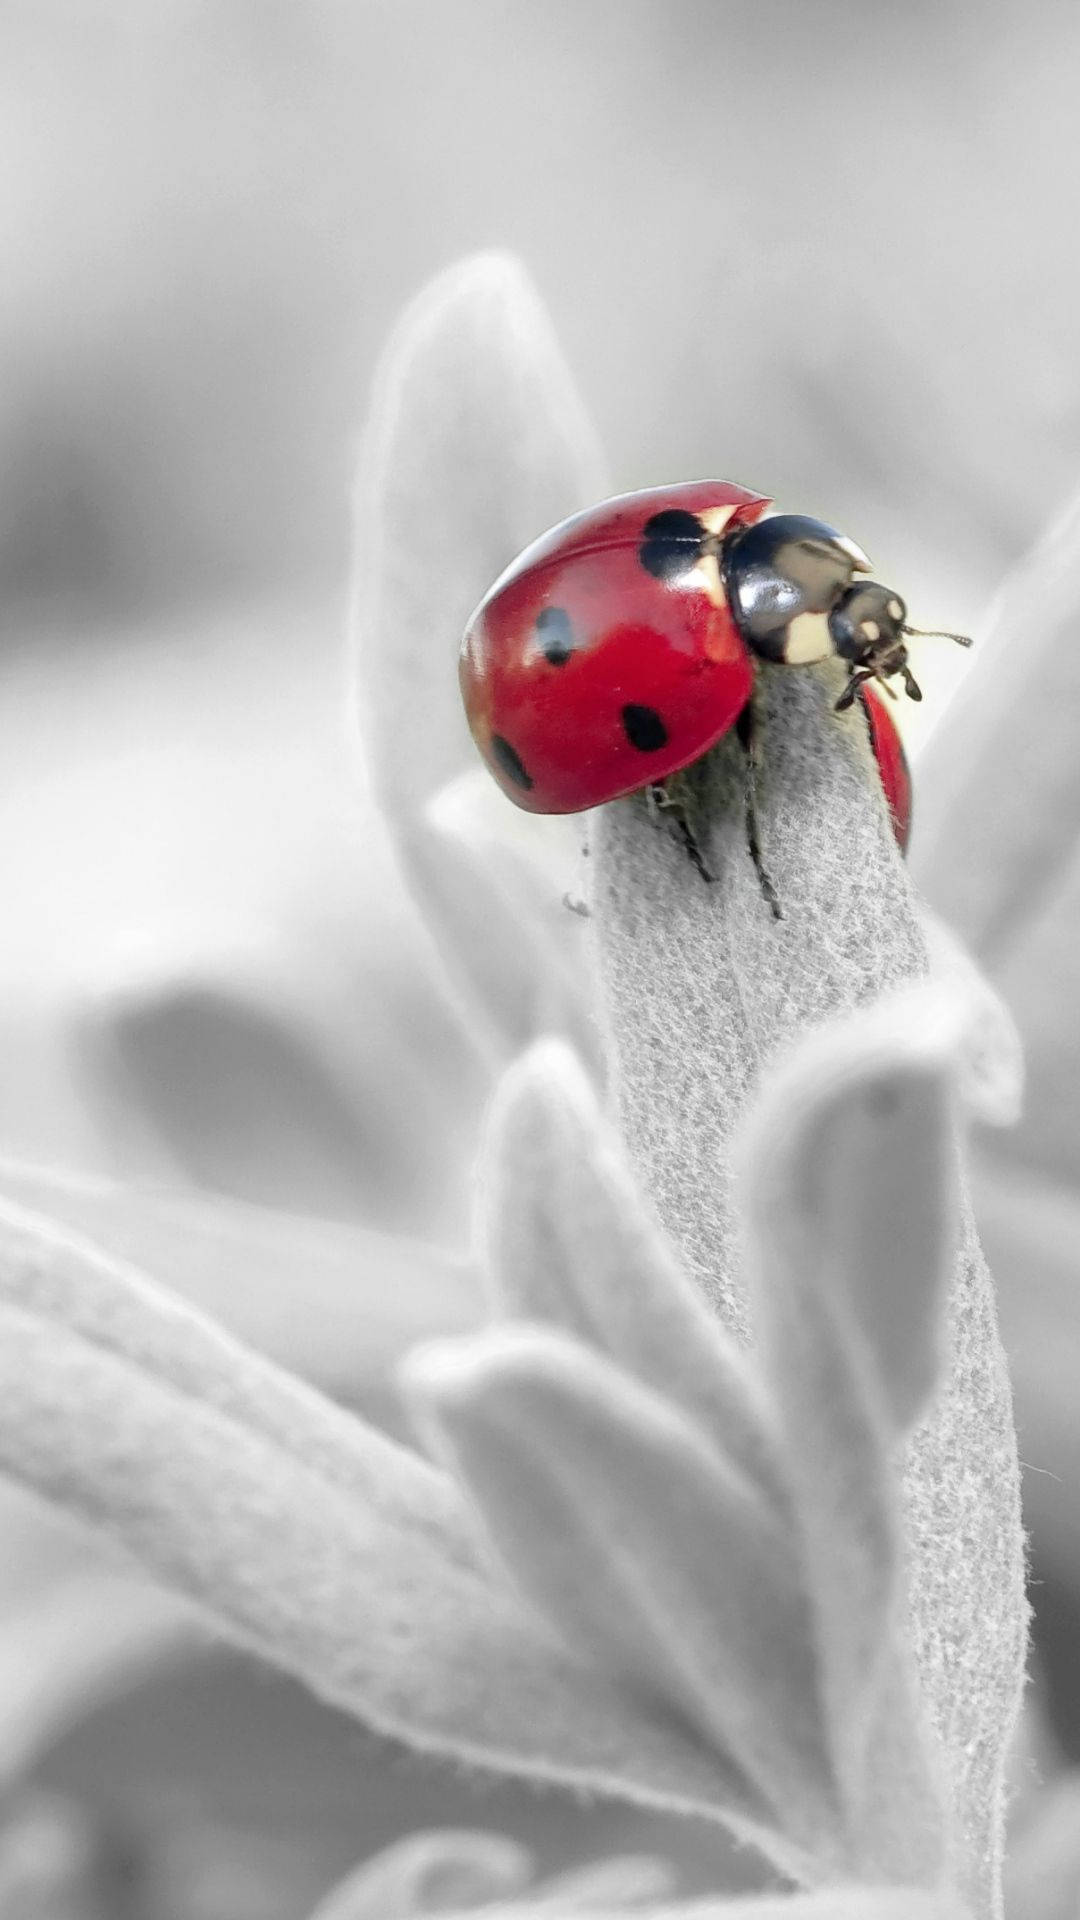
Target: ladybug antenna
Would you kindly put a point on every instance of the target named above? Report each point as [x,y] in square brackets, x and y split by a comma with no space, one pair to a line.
[939,633]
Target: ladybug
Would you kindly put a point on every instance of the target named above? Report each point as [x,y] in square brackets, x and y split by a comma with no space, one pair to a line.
[620,646]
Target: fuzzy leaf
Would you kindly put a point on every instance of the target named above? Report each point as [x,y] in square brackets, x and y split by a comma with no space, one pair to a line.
[569,1240]
[49,1272]
[850,1184]
[477,443]
[850,1180]
[660,1562]
[307,1536]
[701,989]
[1031,1227]
[337,1302]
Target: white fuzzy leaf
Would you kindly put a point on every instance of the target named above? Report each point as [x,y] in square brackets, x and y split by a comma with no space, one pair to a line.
[850,1184]
[336,1302]
[1031,1228]
[701,988]
[477,443]
[569,1240]
[850,1178]
[613,1511]
[305,1534]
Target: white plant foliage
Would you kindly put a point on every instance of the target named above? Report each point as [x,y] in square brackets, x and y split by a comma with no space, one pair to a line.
[698,993]
[995,850]
[701,991]
[732,1547]
[476,442]
[305,1533]
[336,1301]
[278,1512]
[615,1470]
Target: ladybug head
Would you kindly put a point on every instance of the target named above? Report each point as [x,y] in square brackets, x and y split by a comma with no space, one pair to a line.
[792,589]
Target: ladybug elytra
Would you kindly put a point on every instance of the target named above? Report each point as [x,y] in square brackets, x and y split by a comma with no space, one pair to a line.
[619,647]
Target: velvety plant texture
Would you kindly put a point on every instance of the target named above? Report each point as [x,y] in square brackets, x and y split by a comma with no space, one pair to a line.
[709,1501]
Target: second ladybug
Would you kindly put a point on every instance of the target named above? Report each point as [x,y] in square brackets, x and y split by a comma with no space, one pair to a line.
[619,647]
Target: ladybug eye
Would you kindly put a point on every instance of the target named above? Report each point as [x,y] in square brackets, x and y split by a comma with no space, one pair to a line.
[788,570]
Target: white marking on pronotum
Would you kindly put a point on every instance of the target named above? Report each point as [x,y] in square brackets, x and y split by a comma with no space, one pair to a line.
[807,638]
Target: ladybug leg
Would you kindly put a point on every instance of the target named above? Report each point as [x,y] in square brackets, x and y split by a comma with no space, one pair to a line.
[686,834]
[744,729]
[676,806]
[857,677]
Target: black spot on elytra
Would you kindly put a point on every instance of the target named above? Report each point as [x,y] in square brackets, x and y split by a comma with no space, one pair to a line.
[671,542]
[510,762]
[556,635]
[644,728]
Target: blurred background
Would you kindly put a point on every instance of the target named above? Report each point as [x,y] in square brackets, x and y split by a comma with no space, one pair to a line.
[813,245]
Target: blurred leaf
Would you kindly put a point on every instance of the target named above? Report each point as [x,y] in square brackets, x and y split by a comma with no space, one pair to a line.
[507,881]
[73,1639]
[477,443]
[53,1864]
[628,1881]
[650,1553]
[835,1903]
[308,1536]
[337,1303]
[1042,1873]
[999,780]
[429,1873]
[991,1054]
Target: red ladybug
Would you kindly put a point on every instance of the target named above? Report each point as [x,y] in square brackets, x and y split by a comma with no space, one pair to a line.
[619,647]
